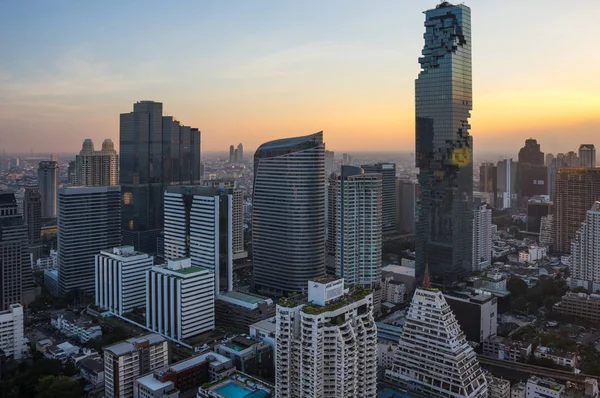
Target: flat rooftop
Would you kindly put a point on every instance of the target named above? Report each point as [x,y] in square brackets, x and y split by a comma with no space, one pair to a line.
[152,383]
[127,346]
[399,269]
[247,300]
[266,324]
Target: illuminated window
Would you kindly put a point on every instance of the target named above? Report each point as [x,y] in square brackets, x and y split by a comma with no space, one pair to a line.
[127,198]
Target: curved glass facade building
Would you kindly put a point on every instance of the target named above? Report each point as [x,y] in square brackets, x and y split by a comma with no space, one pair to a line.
[288,221]
[444,148]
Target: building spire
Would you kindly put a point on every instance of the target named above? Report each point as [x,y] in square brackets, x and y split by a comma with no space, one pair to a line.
[426,281]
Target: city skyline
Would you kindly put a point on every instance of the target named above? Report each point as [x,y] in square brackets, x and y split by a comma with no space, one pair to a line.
[268,69]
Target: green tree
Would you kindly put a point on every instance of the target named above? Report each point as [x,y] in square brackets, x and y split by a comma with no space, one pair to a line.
[58,387]
[516,286]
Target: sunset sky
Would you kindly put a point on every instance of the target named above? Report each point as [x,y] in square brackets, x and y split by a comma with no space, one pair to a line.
[252,71]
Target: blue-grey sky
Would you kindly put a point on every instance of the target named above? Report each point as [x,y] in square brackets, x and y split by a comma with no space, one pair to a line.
[251,71]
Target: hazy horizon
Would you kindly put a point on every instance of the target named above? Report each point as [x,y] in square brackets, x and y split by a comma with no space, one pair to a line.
[251,73]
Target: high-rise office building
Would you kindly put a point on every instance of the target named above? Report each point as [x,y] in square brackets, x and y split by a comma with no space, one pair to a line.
[97,168]
[359,224]
[577,189]
[199,224]
[443,145]
[332,200]
[16,278]
[329,162]
[406,206]
[156,151]
[587,155]
[549,158]
[434,358]
[240,153]
[32,214]
[482,237]
[388,207]
[537,209]
[532,174]
[584,269]
[120,280]
[180,300]
[531,153]
[288,220]
[506,187]
[48,183]
[231,154]
[126,360]
[88,222]
[487,177]
[571,159]
[327,348]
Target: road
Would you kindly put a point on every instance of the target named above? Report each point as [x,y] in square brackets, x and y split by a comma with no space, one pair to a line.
[533,370]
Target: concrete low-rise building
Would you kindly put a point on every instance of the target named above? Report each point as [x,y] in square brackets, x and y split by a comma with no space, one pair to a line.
[559,357]
[497,387]
[182,379]
[249,356]
[264,331]
[393,291]
[239,310]
[92,370]
[532,254]
[544,388]
[505,349]
[83,331]
[581,305]
[476,313]
[62,351]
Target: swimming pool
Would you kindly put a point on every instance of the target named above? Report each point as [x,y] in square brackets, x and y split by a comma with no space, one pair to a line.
[233,390]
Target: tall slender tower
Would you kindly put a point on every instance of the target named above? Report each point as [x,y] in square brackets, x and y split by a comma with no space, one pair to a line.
[359,239]
[199,224]
[156,151]
[240,153]
[443,145]
[388,207]
[577,189]
[48,182]
[587,155]
[32,214]
[16,279]
[288,220]
[584,269]
[88,222]
[97,168]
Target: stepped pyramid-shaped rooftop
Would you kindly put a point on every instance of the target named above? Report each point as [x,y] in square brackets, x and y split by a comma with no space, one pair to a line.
[434,358]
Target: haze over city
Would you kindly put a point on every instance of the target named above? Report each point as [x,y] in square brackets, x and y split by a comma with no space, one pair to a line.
[255,71]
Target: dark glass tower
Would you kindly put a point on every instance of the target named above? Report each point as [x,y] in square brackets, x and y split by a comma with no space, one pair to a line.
[288,220]
[156,151]
[444,147]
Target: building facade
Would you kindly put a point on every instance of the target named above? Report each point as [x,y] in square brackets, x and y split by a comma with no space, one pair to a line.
[406,206]
[332,209]
[11,331]
[97,168]
[155,151]
[476,314]
[32,214]
[88,222]
[120,283]
[327,348]
[199,223]
[580,305]
[48,183]
[180,299]
[577,189]
[16,277]
[482,238]
[388,193]
[587,155]
[238,310]
[288,219]
[126,360]
[433,357]
[359,229]
[444,148]
[584,268]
